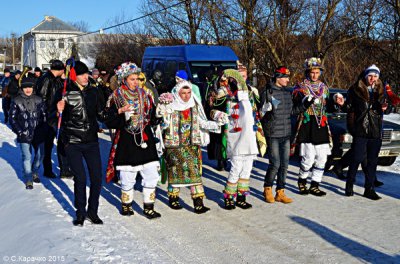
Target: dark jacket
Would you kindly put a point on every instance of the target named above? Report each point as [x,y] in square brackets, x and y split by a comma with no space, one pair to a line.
[47,86]
[82,110]
[364,118]
[277,123]
[4,85]
[13,88]
[28,118]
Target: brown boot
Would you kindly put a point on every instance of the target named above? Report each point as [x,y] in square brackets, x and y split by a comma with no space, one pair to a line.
[269,197]
[281,197]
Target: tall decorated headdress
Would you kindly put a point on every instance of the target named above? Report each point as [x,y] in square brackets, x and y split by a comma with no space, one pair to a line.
[235,74]
[313,63]
[126,69]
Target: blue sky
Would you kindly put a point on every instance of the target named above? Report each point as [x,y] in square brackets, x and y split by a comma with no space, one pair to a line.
[20,16]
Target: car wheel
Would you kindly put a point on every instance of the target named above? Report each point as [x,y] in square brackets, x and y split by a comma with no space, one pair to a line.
[386,161]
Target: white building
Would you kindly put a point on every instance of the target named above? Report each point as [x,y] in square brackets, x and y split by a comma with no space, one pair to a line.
[50,39]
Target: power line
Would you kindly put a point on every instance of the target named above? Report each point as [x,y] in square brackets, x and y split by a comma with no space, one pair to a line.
[126,22]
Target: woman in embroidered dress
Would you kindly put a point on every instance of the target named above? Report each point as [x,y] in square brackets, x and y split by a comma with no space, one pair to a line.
[313,133]
[131,111]
[185,126]
[239,138]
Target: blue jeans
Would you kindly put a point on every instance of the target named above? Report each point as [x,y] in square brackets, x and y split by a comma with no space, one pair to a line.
[278,155]
[28,167]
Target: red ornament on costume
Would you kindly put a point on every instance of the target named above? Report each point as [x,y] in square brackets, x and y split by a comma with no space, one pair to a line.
[145,137]
[186,113]
[323,121]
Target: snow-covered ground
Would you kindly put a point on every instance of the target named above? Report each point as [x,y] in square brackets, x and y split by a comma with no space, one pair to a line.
[36,225]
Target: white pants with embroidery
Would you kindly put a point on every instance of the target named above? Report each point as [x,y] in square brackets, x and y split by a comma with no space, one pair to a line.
[313,160]
[150,174]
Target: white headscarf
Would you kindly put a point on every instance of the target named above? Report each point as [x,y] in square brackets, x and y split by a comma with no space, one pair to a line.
[178,104]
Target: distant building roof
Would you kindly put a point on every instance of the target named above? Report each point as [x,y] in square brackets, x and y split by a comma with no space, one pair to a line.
[51,23]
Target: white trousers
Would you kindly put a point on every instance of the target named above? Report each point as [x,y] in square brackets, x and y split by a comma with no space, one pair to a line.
[241,166]
[150,173]
[313,160]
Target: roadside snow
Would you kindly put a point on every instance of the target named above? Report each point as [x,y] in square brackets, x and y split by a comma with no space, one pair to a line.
[333,229]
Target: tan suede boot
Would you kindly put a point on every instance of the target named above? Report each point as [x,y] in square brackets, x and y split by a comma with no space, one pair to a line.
[281,197]
[269,197]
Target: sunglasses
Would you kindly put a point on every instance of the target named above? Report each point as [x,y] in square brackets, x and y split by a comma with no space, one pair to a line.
[141,79]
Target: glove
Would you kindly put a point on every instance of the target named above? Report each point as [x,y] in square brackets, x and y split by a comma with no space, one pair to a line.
[161,110]
[308,101]
[223,119]
[220,117]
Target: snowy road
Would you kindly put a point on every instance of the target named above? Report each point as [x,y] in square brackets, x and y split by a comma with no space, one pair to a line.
[37,224]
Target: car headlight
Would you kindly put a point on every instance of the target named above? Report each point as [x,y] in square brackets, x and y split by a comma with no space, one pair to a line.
[395,135]
[346,138]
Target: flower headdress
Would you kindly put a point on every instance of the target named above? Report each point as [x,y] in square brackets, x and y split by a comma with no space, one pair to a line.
[313,63]
[126,69]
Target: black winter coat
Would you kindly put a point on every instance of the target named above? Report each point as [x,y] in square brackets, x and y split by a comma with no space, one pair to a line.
[82,110]
[28,119]
[13,88]
[364,118]
[47,86]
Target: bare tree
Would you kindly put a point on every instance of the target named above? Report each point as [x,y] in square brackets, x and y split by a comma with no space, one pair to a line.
[180,22]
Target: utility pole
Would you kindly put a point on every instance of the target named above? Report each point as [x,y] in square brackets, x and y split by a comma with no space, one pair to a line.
[5,55]
[13,53]
[22,52]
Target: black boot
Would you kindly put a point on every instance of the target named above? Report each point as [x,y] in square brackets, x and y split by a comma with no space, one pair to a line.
[338,171]
[94,219]
[198,205]
[148,211]
[229,203]
[302,184]
[174,202]
[35,178]
[127,209]
[79,220]
[371,194]
[241,202]
[377,183]
[349,189]
[29,185]
[314,189]
[66,174]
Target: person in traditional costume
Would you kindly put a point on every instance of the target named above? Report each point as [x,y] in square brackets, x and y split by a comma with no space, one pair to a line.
[239,136]
[216,150]
[185,130]
[134,146]
[312,133]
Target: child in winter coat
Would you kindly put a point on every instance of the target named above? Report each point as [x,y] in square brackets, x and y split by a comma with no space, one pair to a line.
[27,120]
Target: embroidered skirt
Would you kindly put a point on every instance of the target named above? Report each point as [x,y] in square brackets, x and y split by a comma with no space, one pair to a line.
[184,165]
